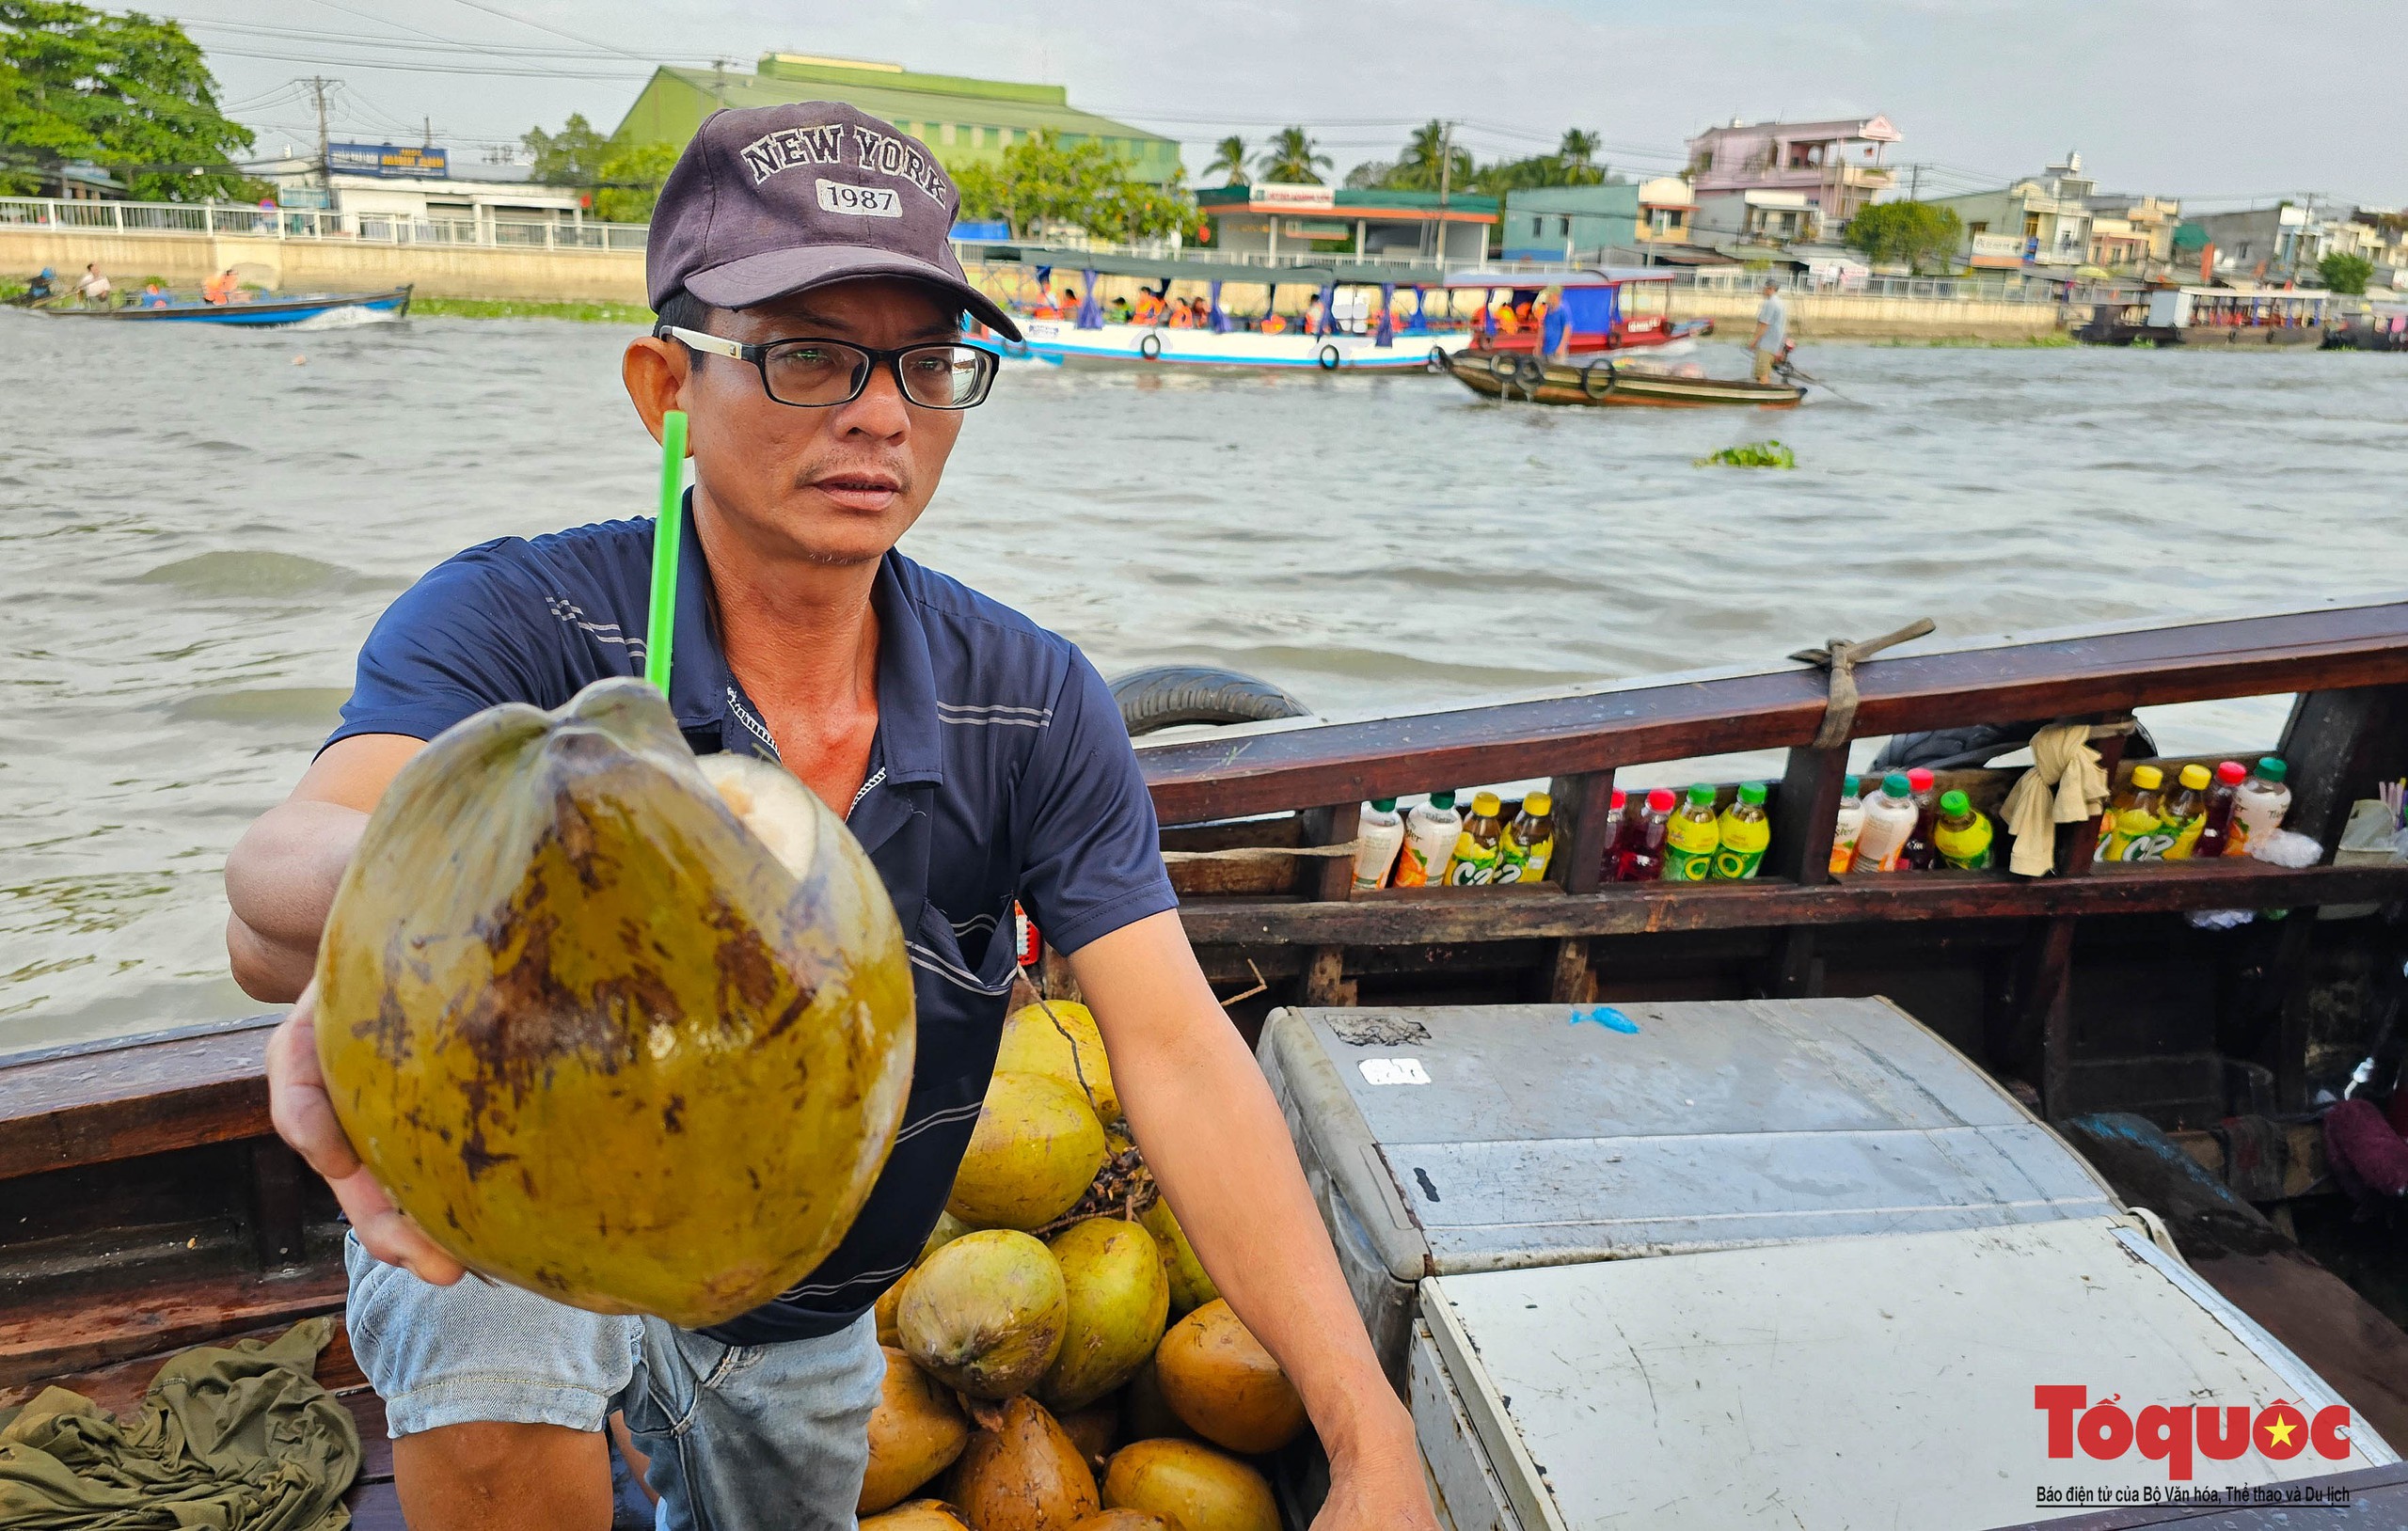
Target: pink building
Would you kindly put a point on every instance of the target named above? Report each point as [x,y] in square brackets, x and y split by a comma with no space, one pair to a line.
[1836,165]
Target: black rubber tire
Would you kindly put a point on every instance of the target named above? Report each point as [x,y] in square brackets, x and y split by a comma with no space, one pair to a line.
[1329,358]
[1502,365]
[1975,746]
[1437,358]
[1589,377]
[1164,696]
[1150,347]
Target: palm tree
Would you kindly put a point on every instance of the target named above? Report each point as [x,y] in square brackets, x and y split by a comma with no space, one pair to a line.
[1295,158]
[1229,162]
[1578,147]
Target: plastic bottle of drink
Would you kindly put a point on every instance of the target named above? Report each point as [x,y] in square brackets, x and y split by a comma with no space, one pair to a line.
[1918,854]
[1620,815]
[1381,835]
[2183,808]
[1843,833]
[1474,861]
[2213,836]
[1430,832]
[1745,830]
[1961,836]
[2132,817]
[2258,805]
[1528,842]
[1643,849]
[1691,839]
[1889,818]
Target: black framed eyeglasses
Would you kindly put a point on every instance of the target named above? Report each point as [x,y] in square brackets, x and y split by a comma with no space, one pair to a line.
[813,373]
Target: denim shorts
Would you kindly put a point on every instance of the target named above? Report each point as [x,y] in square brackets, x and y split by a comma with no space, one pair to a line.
[741,1437]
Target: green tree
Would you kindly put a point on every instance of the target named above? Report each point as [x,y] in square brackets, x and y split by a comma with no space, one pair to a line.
[1229,162]
[1913,234]
[1422,167]
[1295,158]
[628,181]
[1047,181]
[126,91]
[1578,151]
[2345,272]
[571,157]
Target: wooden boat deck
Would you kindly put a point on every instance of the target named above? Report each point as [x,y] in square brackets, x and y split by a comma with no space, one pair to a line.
[145,1203]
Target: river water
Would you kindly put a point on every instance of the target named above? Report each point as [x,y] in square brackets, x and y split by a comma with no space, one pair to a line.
[197,527]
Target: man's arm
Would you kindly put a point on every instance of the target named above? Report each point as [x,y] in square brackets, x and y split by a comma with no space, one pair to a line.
[1213,1136]
[280,876]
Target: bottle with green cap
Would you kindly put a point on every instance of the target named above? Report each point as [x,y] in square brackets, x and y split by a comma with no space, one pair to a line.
[1692,837]
[1745,830]
[1379,836]
[1529,845]
[2259,807]
[1850,823]
[1890,817]
[1961,836]
[1429,833]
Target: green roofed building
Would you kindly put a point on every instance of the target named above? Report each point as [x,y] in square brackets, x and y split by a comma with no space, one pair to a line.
[962,119]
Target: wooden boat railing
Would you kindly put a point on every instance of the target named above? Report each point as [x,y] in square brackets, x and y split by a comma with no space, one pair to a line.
[150,1167]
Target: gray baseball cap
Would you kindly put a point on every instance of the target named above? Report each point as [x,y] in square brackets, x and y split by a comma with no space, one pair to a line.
[769,200]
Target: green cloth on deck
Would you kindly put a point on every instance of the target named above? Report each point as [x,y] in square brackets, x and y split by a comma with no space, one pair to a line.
[235,1438]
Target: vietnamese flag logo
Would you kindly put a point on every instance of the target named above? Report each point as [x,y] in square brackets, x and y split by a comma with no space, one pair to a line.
[2281,1431]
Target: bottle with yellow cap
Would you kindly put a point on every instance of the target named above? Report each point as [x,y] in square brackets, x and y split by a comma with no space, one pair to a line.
[1528,842]
[2132,817]
[1475,858]
[2185,812]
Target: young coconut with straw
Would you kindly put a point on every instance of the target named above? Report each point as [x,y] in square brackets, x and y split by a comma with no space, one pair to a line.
[810,308]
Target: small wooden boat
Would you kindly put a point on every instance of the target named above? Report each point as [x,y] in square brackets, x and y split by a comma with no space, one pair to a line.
[1609,380]
[146,1204]
[1605,310]
[299,309]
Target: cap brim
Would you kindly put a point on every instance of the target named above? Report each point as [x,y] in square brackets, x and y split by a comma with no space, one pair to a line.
[776,273]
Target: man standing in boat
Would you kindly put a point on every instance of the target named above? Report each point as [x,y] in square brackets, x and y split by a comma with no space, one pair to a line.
[1773,330]
[809,327]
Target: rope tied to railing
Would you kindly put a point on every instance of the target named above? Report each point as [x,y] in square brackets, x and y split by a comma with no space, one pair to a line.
[1840,657]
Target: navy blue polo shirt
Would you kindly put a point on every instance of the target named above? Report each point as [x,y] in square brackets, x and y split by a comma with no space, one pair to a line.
[1000,769]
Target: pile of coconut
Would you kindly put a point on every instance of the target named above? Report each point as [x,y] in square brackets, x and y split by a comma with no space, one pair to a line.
[1057,1360]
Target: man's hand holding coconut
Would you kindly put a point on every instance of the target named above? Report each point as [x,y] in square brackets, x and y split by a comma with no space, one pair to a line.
[681,1061]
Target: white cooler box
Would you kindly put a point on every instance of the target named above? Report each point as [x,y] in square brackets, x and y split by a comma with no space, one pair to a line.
[1833,1385]
[1448,1141]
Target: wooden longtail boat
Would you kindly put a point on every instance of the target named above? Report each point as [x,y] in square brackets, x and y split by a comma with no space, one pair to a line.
[299,308]
[1605,381]
[146,1205]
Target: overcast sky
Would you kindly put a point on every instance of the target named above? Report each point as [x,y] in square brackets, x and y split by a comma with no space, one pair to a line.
[2214,101]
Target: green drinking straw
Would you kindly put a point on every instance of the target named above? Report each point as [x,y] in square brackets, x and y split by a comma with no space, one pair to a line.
[668,535]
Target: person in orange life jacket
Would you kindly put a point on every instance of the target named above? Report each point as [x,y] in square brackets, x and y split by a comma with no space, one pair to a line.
[1272,325]
[1180,317]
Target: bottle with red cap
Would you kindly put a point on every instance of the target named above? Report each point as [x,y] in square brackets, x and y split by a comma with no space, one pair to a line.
[1642,848]
[1922,852]
[1618,820]
[2211,832]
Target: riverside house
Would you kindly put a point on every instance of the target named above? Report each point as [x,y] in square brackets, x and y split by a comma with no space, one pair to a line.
[2049,213]
[1831,168]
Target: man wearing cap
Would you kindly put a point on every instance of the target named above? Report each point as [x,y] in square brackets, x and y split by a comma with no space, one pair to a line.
[810,308]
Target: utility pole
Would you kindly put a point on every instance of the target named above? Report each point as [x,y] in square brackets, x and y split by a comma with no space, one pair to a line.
[1914,181]
[317,85]
[1446,181]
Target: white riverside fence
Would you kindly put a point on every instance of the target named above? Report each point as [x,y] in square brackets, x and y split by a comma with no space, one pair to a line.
[239,220]
[222,219]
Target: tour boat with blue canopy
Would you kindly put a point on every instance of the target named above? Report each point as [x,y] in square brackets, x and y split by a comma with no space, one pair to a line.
[1392,332]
